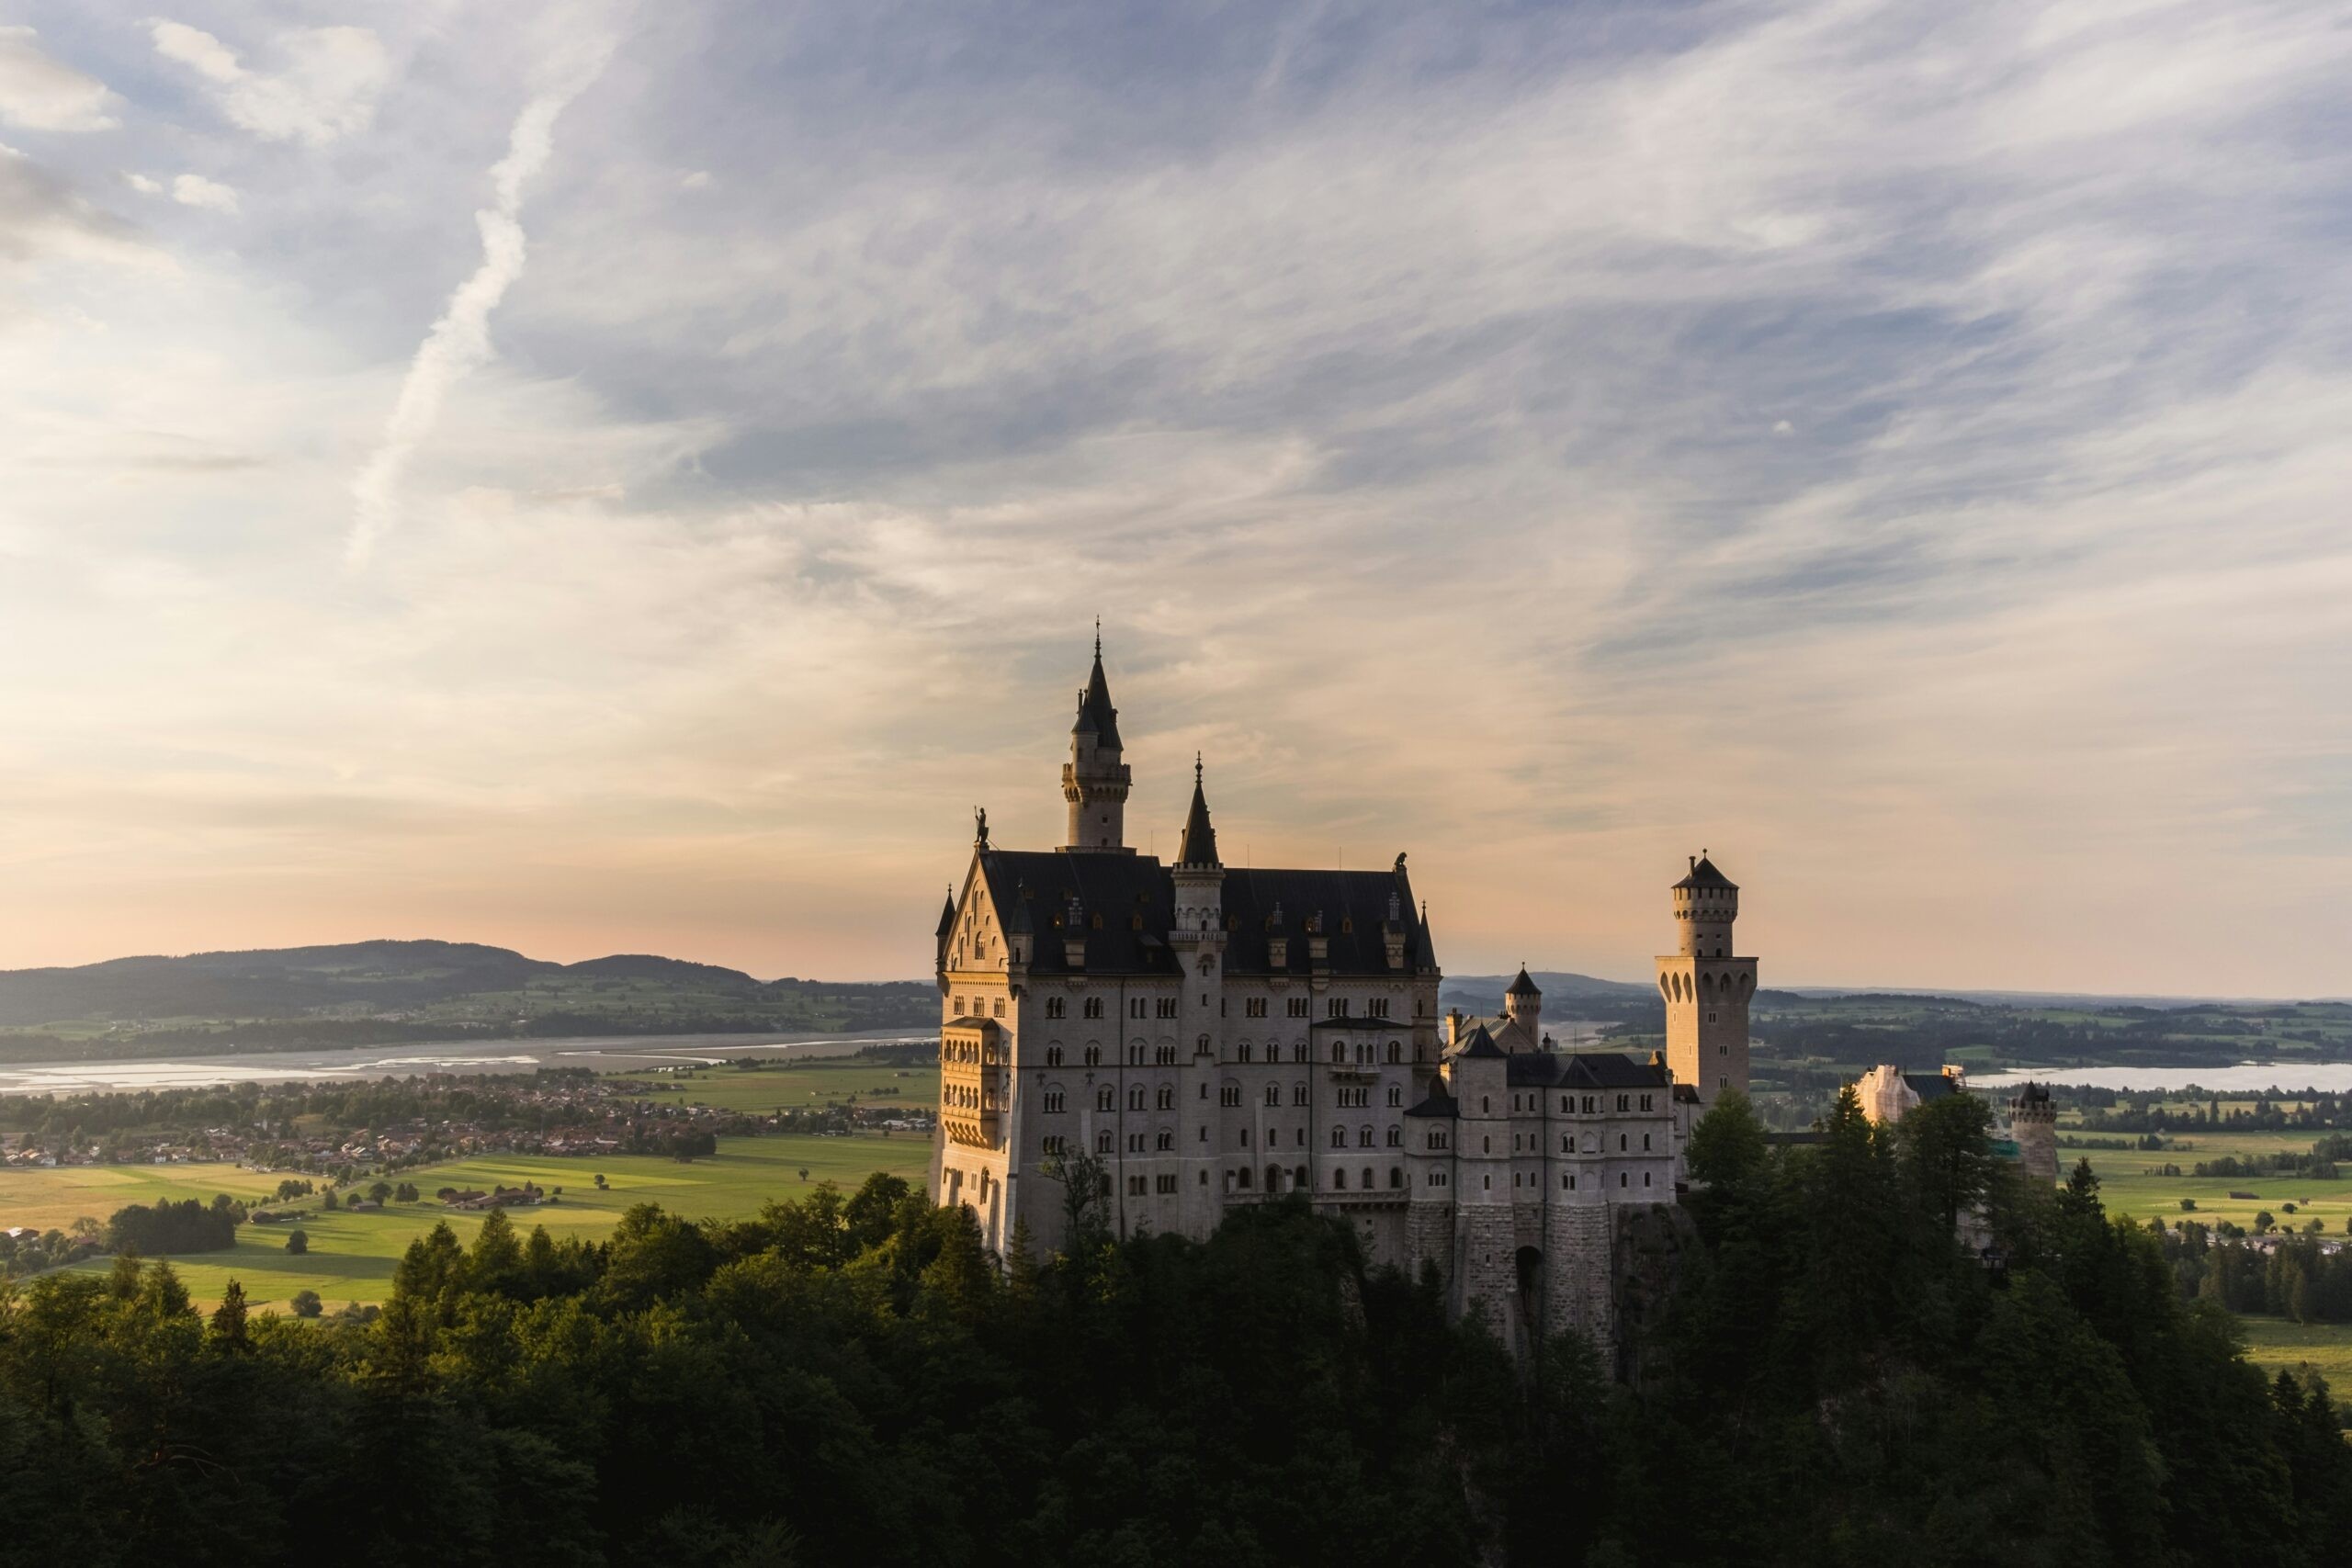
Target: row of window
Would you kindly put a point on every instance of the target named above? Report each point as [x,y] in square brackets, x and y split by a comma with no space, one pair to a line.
[980,1006]
[1165,1007]
[1570,1104]
[1106,1098]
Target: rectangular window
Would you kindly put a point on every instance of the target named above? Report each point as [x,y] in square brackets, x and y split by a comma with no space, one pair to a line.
[1053,1100]
[1255,1007]
[1134,1007]
[1335,1007]
[1298,1007]
[1230,1095]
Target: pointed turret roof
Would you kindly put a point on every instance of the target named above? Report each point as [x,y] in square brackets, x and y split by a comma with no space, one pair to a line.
[1522,986]
[947,914]
[1480,1043]
[1704,874]
[1198,846]
[1096,716]
[1424,945]
[1018,921]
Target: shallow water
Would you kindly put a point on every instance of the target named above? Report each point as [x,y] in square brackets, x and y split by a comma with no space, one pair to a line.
[604,1052]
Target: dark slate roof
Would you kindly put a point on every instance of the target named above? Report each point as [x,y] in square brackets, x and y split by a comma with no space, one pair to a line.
[1479,1043]
[1929,1085]
[2033,1094]
[1704,874]
[1439,1102]
[947,918]
[1522,986]
[1424,945]
[1096,716]
[1352,904]
[1198,846]
[1583,1069]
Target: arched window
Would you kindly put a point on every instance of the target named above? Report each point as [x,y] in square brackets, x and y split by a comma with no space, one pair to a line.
[1274,1094]
[1103,1100]
[1167,1140]
[1094,1055]
[1364,1137]
[1298,1050]
[1053,1055]
[1367,1178]
[1395,1095]
[1338,1181]
[1339,1053]
[1055,1006]
[1134,1097]
[1339,1137]
[1168,1097]
[1395,1052]
[1396,1138]
[1243,1054]
[1395,1175]
[1298,1176]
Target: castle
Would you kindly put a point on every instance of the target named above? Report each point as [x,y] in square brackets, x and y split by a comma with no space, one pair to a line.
[1213,1036]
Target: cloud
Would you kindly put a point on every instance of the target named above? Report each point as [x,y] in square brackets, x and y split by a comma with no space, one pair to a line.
[327,89]
[38,94]
[195,190]
[1897,448]
[460,341]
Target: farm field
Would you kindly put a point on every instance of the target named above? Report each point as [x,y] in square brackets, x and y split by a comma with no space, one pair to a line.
[802,1085]
[352,1255]
[2126,1187]
[2275,1343]
[54,1199]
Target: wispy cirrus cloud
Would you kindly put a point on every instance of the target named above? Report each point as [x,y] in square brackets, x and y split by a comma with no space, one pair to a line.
[38,93]
[1896,447]
[326,88]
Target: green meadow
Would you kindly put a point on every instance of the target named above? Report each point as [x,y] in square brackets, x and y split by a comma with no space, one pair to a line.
[2275,1344]
[2128,1182]
[351,1255]
[799,1085]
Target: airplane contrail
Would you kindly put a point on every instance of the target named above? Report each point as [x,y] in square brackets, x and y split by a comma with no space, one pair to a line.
[460,341]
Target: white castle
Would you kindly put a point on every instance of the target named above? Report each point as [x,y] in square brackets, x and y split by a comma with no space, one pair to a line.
[1216,1036]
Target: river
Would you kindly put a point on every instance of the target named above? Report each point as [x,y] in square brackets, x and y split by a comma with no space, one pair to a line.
[610,1052]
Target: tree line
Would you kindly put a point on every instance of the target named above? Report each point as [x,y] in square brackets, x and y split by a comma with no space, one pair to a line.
[1836,1378]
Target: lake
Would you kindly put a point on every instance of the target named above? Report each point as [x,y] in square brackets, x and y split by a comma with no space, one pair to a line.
[2245,1077]
[615,1052]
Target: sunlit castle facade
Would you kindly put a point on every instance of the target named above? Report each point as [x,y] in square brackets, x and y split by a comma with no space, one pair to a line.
[1216,1036]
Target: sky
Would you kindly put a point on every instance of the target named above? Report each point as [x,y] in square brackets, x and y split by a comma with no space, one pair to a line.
[593,477]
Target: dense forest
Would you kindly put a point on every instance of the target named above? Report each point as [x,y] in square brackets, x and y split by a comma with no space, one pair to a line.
[851,1378]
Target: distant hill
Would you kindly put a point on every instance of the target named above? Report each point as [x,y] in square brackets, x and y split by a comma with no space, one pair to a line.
[1484,993]
[365,992]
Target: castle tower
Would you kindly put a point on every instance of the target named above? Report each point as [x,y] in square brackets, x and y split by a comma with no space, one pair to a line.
[1095,781]
[1523,1005]
[2033,1121]
[1706,989]
[1196,939]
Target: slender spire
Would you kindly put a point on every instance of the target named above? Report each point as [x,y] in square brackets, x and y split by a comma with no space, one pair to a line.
[1199,844]
[1096,716]
[948,915]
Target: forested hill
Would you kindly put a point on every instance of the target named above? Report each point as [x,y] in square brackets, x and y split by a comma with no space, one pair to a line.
[358,993]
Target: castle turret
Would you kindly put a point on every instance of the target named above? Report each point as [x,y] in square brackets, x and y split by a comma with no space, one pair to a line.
[1095,781]
[2033,1121]
[1705,987]
[1523,1005]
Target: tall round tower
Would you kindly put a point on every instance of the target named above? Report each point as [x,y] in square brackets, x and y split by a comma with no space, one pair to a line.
[1706,986]
[1095,781]
[2033,1120]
